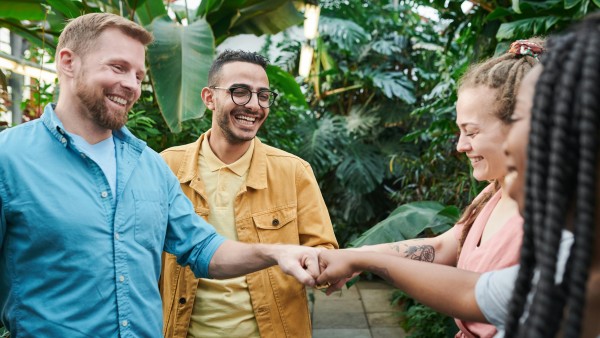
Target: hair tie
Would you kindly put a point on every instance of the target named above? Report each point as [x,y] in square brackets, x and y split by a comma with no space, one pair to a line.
[526,48]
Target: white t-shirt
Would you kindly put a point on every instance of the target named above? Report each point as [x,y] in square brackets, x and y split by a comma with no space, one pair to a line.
[494,289]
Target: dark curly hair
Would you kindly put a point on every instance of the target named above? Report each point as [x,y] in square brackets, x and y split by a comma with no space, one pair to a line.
[561,185]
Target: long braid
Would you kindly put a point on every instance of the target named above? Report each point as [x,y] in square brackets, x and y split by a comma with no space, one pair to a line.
[586,197]
[565,117]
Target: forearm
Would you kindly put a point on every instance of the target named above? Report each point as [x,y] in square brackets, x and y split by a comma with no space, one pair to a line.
[233,259]
[441,249]
[445,289]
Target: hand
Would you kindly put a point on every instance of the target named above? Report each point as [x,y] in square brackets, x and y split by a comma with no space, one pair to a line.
[337,268]
[301,262]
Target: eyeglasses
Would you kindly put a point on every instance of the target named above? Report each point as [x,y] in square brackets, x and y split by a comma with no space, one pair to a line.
[241,96]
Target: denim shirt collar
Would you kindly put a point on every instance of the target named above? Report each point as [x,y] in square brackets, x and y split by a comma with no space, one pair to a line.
[56,128]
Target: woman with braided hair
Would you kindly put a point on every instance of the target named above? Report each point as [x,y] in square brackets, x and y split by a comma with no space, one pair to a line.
[562,191]
[488,235]
[552,297]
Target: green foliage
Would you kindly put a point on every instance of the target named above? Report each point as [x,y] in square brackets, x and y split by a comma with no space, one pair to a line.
[420,321]
[408,221]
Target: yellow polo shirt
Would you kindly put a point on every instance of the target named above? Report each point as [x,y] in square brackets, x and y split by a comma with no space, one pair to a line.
[223,308]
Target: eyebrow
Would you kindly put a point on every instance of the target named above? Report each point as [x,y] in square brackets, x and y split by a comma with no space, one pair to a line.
[243,85]
[466,124]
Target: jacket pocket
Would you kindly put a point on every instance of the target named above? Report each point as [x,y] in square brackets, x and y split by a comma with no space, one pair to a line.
[150,219]
[278,225]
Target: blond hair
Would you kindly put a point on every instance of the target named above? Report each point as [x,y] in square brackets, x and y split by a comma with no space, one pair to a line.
[80,34]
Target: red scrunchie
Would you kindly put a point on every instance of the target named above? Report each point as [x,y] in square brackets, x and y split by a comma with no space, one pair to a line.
[525,47]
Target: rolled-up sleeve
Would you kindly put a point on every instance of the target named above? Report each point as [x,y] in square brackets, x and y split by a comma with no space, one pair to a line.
[189,237]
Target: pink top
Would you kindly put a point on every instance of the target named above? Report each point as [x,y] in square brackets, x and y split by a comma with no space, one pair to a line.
[497,252]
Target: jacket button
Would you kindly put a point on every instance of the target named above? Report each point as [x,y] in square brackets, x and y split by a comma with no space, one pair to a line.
[181,300]
[275,222]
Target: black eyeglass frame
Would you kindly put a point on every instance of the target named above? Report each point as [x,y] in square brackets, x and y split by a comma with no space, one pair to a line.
[272,94]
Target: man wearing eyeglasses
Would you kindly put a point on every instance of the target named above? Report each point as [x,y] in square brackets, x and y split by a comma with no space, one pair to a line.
[252,193]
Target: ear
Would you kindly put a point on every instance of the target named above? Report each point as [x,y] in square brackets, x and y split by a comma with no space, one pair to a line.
[68,62]
[208,98]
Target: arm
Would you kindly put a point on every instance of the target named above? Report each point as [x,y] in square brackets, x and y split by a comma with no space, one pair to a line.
[234,259]
[445,289]
[442,249]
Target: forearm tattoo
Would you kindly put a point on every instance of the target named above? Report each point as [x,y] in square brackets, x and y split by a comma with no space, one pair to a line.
[425,253]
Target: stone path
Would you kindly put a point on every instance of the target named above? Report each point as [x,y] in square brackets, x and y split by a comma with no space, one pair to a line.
[363,311]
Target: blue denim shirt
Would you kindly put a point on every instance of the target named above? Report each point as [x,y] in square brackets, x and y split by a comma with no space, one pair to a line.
[71,264]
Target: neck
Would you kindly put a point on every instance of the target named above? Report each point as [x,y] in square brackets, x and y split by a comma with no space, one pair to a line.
[226,151]
[76,121]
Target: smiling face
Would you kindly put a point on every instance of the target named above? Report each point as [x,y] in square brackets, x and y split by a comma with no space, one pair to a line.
[481,132]
[515,146]
[108,81]
[237,124]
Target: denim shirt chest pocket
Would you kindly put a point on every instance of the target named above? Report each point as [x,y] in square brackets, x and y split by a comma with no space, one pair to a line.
[150,218]
[277,225]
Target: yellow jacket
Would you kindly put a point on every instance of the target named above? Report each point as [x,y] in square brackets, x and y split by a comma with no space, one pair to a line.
[280,203]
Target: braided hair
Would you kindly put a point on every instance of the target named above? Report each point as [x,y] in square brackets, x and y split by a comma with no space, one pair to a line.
[503,74]
[561,177]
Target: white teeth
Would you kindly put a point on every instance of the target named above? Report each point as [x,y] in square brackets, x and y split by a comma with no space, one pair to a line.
[245,119]
[475,159]
[117,99]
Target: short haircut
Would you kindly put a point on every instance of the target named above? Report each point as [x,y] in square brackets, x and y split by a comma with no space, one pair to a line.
[234,56]
[81,33]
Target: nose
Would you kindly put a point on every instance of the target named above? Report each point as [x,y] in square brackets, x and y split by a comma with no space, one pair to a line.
[253,103]
[130,81]
[463,145]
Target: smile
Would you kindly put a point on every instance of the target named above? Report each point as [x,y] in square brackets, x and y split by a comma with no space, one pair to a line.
[117,100]
[247,120]
[475,159]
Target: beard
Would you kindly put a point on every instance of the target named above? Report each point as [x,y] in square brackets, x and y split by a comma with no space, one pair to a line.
[224,119]
[97,110]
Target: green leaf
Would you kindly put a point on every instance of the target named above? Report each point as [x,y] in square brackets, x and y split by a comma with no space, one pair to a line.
[596,2]
[66,7]
[386,47]
[31,36]
[346,34]
[179,60]
[364,161]
[135,4]
[515,6]
[395,85]
[22,10]
[150,10]
[321,139]
[288,85]
[526,27]
[208,6]
[407,222]
[498,13]
[571,3]
[266,17]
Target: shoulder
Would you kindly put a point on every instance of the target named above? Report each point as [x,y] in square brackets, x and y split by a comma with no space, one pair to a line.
[23,139]
[280,156]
